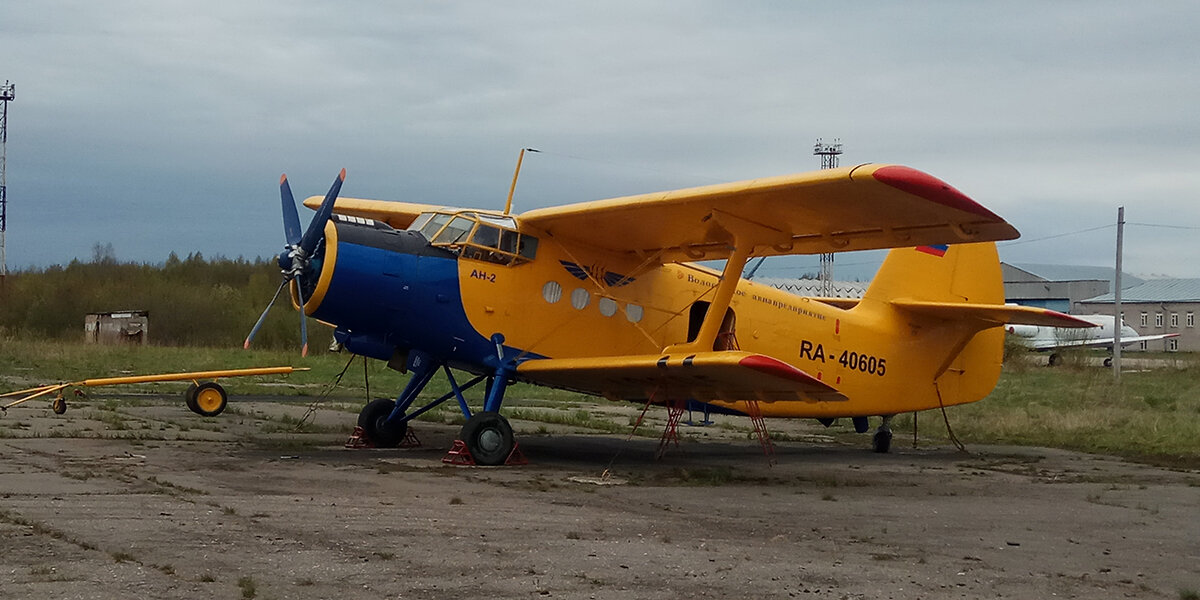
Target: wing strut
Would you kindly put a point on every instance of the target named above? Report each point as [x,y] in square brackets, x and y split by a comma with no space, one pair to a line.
[743,235]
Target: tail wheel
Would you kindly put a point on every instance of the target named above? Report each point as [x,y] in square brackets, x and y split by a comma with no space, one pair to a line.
[373,420]
[209,400]
[489,437]
[882,442]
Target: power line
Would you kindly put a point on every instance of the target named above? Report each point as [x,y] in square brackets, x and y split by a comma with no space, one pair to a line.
[1055,236]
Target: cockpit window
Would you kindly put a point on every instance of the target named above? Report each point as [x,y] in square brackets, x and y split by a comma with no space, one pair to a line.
[420,221]
[434,225]
[488,238]
[456,231]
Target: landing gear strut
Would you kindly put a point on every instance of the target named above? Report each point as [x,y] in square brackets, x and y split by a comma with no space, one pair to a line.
[882,441]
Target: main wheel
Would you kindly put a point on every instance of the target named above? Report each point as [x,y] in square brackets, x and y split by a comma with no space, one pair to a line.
[489,437]
[373,420]
[189,397]
[882,442]
[209,400]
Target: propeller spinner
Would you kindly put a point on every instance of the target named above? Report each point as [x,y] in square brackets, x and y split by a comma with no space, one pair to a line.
[294,260]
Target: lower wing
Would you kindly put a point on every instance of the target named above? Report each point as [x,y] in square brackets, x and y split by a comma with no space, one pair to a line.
[705,376]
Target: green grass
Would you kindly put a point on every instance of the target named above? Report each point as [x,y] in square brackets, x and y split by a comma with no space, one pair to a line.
[1151,416]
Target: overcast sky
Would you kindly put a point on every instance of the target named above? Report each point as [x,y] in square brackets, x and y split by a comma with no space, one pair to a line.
[163,126]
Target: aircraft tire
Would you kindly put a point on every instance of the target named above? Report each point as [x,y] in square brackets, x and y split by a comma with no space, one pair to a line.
[1053,359]
[1108,362]
[209,400]
[489,437]
[189,398]
[882,442]
[372,418]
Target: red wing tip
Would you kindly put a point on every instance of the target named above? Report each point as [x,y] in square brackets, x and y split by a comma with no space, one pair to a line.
[342,175]
[924,185]
[246,344]
[304,350]
[776,367]
[283,179]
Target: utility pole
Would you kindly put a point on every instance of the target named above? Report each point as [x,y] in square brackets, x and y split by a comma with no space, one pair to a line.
[829,160]
[7,93]
[1116,363]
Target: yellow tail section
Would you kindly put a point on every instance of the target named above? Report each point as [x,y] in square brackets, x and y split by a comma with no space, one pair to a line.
[921,292]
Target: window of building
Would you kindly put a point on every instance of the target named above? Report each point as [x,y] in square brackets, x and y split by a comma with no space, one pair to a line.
[1144,319]
[1174,319]
[1141,345]
[1190,319]
[1158,321]
[1173,345]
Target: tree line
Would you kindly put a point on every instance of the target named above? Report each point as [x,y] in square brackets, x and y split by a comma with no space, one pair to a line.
[192,301]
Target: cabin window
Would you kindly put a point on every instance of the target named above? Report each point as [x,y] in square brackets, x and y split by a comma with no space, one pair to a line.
[634,313]
[608,306]
[580,298]
[552,292]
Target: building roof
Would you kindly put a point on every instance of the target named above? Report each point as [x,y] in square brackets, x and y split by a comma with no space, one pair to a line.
[1078,273]
[1156,290]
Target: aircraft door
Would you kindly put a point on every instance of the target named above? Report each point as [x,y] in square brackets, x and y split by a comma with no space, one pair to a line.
[726,336]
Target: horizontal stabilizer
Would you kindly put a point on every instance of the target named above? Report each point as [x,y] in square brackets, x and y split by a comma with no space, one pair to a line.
[706,376]
[992,314]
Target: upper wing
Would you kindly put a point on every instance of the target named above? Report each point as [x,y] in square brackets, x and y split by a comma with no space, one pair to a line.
[396,214]
[856,208]
[705,376]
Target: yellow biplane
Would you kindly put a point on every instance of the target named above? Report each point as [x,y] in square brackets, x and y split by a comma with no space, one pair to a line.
[603,298]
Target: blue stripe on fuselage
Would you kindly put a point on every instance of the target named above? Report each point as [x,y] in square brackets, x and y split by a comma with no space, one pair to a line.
[405,300]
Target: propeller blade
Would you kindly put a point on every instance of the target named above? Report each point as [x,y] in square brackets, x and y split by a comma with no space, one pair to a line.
[303,317]
[316,228]
[291,220]
[263,318]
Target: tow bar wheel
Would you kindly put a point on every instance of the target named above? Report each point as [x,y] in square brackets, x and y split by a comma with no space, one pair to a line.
[207,399]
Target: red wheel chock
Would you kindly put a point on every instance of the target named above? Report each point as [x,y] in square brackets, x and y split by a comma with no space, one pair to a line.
[359,439]
[460,455]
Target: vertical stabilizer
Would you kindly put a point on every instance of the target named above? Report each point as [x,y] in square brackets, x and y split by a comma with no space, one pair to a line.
[964,355]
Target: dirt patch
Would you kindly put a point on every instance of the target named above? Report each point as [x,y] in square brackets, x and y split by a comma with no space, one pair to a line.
[182,507]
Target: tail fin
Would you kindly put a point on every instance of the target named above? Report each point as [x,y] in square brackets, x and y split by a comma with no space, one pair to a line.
[967,273]
[940,293]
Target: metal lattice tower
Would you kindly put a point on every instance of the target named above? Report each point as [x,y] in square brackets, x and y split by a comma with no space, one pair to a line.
[829,160]
[7,93]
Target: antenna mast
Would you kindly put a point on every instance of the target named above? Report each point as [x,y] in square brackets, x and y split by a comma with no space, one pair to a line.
[7,93]
[829,160]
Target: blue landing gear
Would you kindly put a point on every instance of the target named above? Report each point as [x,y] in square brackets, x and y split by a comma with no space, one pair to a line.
[488,437]
[374,421]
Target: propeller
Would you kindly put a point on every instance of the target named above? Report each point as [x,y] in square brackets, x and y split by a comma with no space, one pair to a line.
[294,260]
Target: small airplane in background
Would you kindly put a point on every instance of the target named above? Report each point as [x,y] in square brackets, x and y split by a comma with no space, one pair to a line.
[604,298]
[1103,335]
